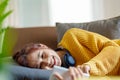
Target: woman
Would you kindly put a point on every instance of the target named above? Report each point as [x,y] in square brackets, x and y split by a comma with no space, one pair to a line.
[79,50]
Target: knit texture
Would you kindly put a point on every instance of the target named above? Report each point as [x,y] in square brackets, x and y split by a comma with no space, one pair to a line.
[101,53]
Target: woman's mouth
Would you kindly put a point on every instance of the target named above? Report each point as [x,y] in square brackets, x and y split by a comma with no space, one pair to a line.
[54,60]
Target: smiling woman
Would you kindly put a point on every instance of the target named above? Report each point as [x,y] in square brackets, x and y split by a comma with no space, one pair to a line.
[37,56]
[43,58]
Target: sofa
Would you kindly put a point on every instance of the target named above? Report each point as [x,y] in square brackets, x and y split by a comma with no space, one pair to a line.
[16,38]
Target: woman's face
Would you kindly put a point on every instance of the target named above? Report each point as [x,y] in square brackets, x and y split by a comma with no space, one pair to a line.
[44,58]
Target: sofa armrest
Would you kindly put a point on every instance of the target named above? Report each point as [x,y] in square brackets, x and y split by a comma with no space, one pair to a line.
[16,38]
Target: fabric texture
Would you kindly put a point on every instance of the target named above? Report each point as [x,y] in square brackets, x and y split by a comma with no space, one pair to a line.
[24,73]
[17,72]
[87,46]
[107,27]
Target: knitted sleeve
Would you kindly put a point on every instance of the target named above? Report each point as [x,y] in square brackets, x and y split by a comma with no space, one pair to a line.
[106,62]
[101,53]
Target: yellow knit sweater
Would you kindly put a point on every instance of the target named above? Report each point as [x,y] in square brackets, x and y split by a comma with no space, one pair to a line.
[101,53]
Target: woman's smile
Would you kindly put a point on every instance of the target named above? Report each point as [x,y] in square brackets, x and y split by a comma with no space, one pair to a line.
[54,60]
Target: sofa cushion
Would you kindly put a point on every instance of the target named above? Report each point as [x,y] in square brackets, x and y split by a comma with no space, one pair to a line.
[107,27]
[25,73]
[17,72]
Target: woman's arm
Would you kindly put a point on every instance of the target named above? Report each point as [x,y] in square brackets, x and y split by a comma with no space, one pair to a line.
[106,62]
[103,54]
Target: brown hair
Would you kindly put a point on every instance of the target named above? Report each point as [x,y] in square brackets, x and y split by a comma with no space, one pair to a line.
[21,55]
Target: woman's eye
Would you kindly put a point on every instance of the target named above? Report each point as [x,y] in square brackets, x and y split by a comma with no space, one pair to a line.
[40,67]
[42,56]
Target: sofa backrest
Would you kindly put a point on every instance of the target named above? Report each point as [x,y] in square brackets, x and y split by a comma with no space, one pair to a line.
[16,38]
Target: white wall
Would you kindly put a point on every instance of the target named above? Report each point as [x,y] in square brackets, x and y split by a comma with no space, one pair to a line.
[34,12]
[111,8]
[97,9]
[48,12]
[70,11]
[103,9]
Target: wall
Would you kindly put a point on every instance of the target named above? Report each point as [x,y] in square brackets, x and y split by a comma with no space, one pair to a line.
[33,12]
[111,8]
[48,12]
[105,9]
[97,9]
[70,11]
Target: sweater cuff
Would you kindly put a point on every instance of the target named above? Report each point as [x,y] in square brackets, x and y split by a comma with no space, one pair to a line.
[93,70]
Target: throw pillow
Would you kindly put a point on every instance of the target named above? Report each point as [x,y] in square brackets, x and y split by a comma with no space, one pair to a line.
[16,72]
[25,73]
[107,27]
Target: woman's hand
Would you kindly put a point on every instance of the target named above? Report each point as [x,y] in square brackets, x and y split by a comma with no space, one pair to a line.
[74,72]
[85,68]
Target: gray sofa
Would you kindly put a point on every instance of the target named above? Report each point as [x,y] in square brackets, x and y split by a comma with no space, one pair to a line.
[16,38]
